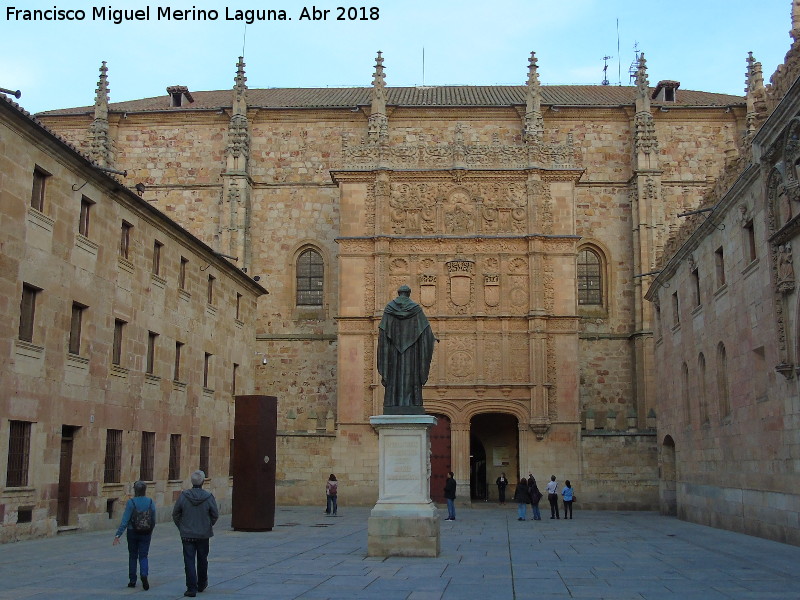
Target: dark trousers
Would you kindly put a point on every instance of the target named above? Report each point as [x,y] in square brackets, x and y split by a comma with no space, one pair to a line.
[195,550]
[501,492]
[331,508]
[553,499]
[138,547]
[567,509]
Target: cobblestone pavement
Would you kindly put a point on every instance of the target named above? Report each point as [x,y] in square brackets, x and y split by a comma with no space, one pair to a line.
[487,554]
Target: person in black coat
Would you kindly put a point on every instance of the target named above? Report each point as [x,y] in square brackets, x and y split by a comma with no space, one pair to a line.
[522,497]
[502,482]
[450,496]
[536,495]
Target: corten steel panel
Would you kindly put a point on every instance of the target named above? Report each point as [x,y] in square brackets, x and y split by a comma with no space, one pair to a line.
[254,438]
[440,457]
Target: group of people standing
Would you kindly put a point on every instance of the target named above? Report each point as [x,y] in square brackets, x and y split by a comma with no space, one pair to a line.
[527,492]
[194,514]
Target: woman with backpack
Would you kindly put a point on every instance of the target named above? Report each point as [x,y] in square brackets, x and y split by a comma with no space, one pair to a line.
[139,519]
[331,495]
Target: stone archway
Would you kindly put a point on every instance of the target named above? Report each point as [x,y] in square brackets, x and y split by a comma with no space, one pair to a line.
[668,492]
[494,449]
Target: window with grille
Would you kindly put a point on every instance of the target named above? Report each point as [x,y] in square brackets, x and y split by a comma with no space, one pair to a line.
[75,325]
[148,456]
[719,262]
[182,273]
[37,192]
[210,289]
[113,462]
[116,349]
[152,337]
[83,221]
[157,246]
[19,449]
[174,456]
[310,278]
[590,283]
[177,370]
[205,444]
[27,312]
[125,239]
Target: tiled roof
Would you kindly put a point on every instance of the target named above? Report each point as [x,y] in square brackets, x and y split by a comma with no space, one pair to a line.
[440,96]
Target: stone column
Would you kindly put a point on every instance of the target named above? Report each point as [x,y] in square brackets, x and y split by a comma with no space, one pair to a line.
[404,521]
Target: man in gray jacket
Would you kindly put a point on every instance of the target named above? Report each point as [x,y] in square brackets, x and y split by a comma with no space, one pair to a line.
[195,513]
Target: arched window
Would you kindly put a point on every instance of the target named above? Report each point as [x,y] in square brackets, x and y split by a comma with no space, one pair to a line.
[590,278]
[722,382]
[701,367]
[310,278]
[687,408]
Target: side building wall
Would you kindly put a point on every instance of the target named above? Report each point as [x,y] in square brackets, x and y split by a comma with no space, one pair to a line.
[118,360]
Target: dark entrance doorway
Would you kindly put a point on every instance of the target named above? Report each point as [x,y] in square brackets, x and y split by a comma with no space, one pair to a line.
[441,463]
[65,474]
[494,449]
[477,469]
[669,491]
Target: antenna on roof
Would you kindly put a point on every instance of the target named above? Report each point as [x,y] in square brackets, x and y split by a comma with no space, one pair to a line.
[16,93]
[634,68]
[605,70]
[244,38]
[423,66]
[619,60]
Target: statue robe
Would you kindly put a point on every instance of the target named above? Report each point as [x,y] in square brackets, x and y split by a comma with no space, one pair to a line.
[405,349]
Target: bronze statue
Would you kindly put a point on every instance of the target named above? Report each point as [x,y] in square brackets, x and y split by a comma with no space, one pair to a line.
[405,348]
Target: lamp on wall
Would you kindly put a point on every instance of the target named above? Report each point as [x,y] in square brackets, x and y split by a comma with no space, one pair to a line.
[263,357]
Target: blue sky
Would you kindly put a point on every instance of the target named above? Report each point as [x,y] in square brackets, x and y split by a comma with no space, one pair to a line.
[701,43]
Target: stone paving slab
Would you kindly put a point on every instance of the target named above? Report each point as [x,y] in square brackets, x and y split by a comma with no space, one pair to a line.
[486,555]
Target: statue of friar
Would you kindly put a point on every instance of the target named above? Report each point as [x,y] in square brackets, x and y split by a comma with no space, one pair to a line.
[405,348]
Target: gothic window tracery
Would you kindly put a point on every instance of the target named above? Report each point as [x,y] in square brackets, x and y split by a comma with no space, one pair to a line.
[590,278]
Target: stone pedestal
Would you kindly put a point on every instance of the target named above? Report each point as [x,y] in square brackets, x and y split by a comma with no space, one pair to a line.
[404,521]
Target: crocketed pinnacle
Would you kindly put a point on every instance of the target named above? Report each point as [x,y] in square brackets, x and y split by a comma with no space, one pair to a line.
[240,89]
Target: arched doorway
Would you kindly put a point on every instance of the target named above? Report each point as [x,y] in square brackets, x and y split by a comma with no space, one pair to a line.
[441,463]
[494,449]
[668,481]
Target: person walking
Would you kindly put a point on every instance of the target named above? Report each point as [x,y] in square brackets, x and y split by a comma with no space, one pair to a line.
[450,496]
[138,520]
[552,497]
[522,497]
[568,495]
[536,496]
[502,483]
[331,492]
[194,514]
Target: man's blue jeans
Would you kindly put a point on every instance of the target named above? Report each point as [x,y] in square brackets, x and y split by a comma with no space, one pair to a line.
[451,508]
[196,578]
[138,547]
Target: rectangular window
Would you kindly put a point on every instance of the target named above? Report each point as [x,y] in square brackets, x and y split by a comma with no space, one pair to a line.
[719,262]
[238,306]
[152,337]
[174,456]
[116,349]
[233,378]
[230,460]
[75,325]
[210,289]
[125,239]
[113,463]
[676,314]
[19,450]
[182,273]
[37,192]
[83,221]
[177,371]
[148,456]
[695,276]
[205,443]
[157,246]
[206,364]
[27,312]
[750,241]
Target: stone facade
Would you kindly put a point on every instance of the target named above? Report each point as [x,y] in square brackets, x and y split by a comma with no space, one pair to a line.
[727,343]
[481,199]
[93,392]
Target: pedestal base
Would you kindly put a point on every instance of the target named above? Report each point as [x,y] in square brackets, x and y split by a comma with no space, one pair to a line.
[404,522]
[401,533]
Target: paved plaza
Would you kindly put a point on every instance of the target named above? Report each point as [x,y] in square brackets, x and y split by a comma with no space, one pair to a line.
[486,554]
